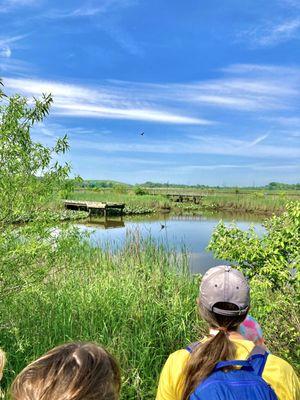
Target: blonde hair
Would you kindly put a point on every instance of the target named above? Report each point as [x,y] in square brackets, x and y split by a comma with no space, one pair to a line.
[218,348]
[2,363]
[73,371]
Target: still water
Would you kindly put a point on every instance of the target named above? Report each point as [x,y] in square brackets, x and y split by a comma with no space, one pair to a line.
[191,233]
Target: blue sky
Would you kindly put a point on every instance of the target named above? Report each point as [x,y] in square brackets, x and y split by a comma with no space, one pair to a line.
[215,85]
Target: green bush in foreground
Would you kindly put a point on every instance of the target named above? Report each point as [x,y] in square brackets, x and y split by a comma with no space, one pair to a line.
[273,256]
[139,302]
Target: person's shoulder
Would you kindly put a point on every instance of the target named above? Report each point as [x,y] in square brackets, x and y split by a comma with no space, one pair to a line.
[282,377]
[178,356]
[279,363]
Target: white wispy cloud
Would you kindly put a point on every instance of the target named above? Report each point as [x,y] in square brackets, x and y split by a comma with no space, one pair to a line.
[212,144]
[5,51]
[245,88]
[10,5]
[91,9]
[109,159]
[4,41]
[146,114]
[282,32]
[15,66]
[103,102]
[272,33]
[240,145]
[107,14]
[257,140]
[293,122]
[7,44]
[255,166]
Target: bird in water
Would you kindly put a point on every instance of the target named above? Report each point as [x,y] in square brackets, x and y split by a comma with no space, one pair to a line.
[162,227]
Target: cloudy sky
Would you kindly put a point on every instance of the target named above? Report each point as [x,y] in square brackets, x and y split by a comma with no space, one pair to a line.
[215,85]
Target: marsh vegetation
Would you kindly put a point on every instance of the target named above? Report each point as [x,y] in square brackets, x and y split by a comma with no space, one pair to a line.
[138,301]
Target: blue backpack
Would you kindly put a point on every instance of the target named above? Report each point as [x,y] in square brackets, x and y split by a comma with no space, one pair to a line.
[245,383]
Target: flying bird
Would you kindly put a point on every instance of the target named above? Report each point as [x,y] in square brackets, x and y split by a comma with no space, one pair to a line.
[162,227]
[143,133]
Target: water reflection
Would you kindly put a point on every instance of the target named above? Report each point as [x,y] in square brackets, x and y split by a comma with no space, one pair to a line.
[178,232]
[105,223]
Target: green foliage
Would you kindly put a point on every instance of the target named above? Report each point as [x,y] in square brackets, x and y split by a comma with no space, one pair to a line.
[99,184]
[68,186]
[285,186]
[274,256]
[140,191]
[278,313]
[270,186]
[139,302]
[31,245]
[120,188]
[29,175]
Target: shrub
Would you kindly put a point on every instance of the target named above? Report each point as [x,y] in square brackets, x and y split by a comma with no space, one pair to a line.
[273,256]
[140,191]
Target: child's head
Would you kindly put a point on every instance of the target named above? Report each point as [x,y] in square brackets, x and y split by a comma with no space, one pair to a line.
[224,297]
[73,371]
[2,363]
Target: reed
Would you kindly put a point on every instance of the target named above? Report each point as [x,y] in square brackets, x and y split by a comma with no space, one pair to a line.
[138,301]
[264,202]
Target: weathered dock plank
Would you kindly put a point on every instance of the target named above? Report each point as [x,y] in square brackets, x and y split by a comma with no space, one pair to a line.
[93,207]
[179,196]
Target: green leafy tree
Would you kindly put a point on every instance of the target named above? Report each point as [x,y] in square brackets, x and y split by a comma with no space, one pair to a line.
[29,174]
[274,256]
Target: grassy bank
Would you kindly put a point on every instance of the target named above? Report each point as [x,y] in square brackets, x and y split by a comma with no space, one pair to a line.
[258,202]
[255,202]
[140,303]
[135,204]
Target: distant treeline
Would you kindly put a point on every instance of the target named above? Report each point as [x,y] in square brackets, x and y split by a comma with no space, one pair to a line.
[107,184]
[90,184]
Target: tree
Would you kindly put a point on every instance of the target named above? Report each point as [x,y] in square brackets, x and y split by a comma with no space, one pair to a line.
[275,255]
[29,174]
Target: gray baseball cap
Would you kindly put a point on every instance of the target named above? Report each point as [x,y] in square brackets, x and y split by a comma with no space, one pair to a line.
[225,284]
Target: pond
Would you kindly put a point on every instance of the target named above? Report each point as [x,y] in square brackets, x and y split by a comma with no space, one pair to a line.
[175,232]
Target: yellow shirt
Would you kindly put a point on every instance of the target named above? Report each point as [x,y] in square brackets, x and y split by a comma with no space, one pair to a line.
[277,373]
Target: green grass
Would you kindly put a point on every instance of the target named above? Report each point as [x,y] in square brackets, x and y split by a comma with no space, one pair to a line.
[139,303]
[265,202]
[134,204]
[252,202]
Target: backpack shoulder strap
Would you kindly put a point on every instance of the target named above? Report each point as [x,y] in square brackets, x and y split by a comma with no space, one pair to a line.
[258,358]
[191,347]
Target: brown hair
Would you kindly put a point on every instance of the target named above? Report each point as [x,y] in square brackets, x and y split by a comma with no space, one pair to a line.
[218,348]
[73,371]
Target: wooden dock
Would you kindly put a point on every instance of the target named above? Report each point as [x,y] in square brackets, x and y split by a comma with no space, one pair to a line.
[185,197]
[179,196]
[93,207]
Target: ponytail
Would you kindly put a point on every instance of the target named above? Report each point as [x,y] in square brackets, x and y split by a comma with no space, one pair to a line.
[218,348]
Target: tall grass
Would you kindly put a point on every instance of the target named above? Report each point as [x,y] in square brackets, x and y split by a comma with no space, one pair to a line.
[135,204]
[248,201]
[252,202]
[139,302]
